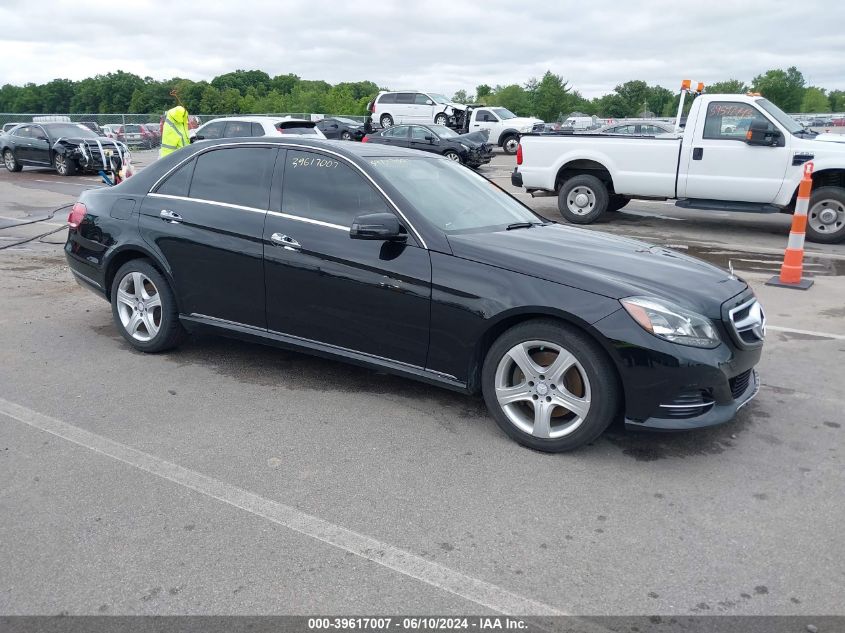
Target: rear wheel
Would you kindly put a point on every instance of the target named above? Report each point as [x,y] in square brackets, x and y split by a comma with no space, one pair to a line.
[582,199]
[346,136]
[549,386]
[510,144]
[64,166]
[826,215]
[386,120]
[144,307]
[10,161]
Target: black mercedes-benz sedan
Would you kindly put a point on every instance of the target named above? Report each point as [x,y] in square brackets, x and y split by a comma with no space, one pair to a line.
[66,147]
[412,264]
[470,149]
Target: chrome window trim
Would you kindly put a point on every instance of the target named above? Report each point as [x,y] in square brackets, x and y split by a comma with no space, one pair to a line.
[302,147]
[298,218]
[204,201]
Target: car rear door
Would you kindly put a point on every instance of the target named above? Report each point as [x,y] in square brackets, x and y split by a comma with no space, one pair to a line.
[369,297]
[396,136]
[206,220]
[720,165]
[407,111]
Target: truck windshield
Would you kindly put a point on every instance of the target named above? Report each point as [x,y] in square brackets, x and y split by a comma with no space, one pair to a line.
[792,126]
[450,196]
[504,113]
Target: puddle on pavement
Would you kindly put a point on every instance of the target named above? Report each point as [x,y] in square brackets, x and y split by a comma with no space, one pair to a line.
[760,262]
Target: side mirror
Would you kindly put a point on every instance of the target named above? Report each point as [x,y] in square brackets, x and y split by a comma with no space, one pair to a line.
[377,226]
[760,134]
[429,102]
[430,138]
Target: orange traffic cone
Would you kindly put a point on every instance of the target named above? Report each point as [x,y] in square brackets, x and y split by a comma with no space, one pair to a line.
[793,259]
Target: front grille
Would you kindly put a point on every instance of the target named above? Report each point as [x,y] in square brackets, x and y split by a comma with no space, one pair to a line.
[747,323]
[739,383]
[687,404]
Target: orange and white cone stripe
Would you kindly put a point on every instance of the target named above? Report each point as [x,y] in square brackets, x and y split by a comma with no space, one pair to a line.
[793,260]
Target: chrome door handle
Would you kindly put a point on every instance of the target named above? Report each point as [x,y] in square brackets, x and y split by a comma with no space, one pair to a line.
[170,216]
[285,241]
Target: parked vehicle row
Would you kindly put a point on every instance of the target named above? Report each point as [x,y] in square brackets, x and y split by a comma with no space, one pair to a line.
[469,149]
[409,263]
[737,153]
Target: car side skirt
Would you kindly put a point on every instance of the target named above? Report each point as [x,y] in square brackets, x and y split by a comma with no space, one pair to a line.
[295,343]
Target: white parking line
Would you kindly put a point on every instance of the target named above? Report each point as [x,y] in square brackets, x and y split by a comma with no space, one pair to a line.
[777,328]
[472,589]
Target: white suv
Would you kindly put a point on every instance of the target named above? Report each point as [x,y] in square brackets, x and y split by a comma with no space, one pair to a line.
[411,106]
[240,126]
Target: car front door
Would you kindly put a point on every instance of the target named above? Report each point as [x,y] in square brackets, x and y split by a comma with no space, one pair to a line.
[420,139]
[39,149]
[720,165]
[206,220]
[365,296]
[425,107]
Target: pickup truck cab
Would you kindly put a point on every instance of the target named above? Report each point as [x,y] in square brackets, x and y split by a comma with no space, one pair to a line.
[736,153]
[504,126]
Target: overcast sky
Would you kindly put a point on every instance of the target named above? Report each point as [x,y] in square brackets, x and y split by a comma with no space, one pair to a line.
[435,45]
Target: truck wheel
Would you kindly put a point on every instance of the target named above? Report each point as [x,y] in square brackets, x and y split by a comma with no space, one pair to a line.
[441,119]
[616,202]
[826,215]
[582,199]
[510,143]
[386,121]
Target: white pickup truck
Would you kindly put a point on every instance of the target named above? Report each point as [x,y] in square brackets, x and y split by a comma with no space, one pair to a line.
[736,153]
[503,126]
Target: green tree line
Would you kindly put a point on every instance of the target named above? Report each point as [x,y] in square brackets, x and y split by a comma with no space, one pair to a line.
[254,91]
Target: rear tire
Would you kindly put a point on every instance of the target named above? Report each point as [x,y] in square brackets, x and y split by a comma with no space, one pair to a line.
[582,199]
[617,202]
[826,215]
[386,121]
[11,162]
[144,308]
[345,136]
[510,144]
[64,165]
[526,392]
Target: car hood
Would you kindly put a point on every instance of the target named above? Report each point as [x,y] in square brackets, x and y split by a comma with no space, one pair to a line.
[596,262]
[473,139]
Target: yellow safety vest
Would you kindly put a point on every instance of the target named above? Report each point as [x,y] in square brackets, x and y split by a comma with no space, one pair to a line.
[175,132]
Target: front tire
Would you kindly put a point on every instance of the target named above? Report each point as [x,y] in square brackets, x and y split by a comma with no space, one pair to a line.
[549,386]
[64,165]
[452,155]
[826,215]
[510,144]
[441,119]
[386,121]
[11,162]
[144,308]
[582,199]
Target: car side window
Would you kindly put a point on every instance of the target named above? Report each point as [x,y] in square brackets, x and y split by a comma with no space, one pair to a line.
[397,132]
[405,97]
[320,187]
[730,120]
[257,129]
[178,183]
[419,133]
[234,175]
[38,132]
[387,98]
[237,129]
[213,130]
[23,132]
[421,99]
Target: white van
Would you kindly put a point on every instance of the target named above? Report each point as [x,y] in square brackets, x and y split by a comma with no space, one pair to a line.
[412,106]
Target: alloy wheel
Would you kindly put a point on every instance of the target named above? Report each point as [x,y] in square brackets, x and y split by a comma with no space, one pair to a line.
[139,306]
[543,389]
[581,200]
[61,164]
[511,145]
[453,156]
[9,160]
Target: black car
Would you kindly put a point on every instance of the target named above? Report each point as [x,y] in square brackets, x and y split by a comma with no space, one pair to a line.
[342,128]
[469,149]
[412,264]
[66,147]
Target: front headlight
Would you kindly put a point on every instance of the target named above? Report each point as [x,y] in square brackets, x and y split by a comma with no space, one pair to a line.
[671,322]
[526,128]
[464,146]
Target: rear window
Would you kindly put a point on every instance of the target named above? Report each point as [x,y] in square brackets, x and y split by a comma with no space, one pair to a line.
[405,97]
[178,183]
[237,175]
[390,97]
[296,127]
[134,129]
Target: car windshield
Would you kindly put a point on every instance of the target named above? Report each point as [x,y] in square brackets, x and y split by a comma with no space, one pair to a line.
[450,196]
[504,113]
[438,98]
[792,126]
[442,131]
[78,131]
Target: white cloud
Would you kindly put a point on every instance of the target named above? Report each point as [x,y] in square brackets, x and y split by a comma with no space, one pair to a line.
[436,45]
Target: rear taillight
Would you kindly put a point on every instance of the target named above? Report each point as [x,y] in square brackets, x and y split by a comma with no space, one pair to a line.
[519,154]
[364,140]
[76,215]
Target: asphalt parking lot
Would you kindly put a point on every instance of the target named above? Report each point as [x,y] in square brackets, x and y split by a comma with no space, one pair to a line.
[230,478]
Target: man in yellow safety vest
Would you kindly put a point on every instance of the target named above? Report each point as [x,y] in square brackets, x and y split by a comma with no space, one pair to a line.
[174,133]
